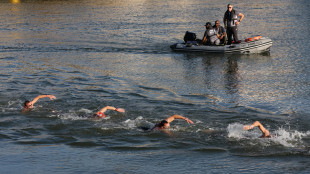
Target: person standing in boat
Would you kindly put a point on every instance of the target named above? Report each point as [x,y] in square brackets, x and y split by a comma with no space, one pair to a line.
[210,36]
[221,33]
[231,22]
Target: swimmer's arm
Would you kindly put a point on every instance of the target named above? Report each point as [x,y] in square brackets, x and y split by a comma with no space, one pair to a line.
[260,126]
[104,109]
[171,118]
[42,96]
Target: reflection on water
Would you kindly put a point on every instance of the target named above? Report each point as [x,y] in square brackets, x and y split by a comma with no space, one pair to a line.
[232,78]
[15,1]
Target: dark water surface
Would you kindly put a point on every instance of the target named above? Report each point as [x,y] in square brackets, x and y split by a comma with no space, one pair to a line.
[90,54]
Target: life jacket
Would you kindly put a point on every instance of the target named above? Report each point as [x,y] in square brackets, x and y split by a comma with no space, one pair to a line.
[232,20]
[211,32]
[211,35]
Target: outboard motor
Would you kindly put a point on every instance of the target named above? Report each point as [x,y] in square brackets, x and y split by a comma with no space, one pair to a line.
[189,36]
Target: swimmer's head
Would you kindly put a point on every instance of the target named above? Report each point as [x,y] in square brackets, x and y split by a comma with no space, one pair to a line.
[28,104]
[163,124]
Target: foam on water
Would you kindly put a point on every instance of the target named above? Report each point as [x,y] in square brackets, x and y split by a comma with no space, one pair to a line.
[289,139]
[12,105]
[139,121]
[81,114]
[71,116]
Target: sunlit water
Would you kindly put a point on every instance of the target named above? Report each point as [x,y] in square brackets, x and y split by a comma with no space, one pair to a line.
[90,54]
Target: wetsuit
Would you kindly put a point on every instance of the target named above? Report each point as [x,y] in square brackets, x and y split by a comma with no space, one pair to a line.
[99,115]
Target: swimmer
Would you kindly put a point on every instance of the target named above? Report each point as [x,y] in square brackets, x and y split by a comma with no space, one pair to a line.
[164,124]
[266,133]
[100,113]
[29,104]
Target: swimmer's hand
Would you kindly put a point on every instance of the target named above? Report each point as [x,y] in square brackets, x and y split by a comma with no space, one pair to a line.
[189,121]
[51,97]
[120,110]
[247,127]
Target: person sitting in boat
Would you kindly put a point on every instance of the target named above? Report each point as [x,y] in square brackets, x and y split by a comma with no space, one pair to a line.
[100,113]
[266,133]
[210,35]
[29,104]
[221,33]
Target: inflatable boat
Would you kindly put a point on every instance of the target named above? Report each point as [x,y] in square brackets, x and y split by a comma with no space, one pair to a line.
[255,44]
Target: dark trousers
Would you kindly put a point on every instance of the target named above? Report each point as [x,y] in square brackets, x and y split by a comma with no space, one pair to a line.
[222,41]
[232,32]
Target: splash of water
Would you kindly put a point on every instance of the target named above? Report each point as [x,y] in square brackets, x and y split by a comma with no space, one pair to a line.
[235,130]
[131,124]
[281,136]
[288,139]
[12,105]
[81,114]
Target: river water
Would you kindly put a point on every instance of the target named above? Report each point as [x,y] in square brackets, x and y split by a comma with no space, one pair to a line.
[92,53]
